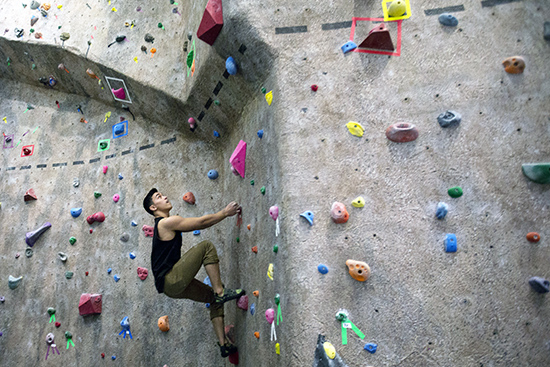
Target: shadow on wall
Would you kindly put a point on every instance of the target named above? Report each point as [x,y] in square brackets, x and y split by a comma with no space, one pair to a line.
[254,61]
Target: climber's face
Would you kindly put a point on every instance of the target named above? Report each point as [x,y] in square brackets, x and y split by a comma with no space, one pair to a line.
[161,202]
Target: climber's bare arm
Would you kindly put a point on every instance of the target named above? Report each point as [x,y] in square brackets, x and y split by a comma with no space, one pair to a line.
[177,223]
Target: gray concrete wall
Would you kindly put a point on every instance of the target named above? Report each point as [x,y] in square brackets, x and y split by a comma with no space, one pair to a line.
[422,306]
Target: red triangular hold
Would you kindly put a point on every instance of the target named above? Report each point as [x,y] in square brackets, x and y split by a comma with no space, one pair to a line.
[212,22]
[30,195]
[234,358]
[379,38]
[238,158]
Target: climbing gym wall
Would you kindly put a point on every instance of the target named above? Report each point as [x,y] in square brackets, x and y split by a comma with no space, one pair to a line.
[376,149]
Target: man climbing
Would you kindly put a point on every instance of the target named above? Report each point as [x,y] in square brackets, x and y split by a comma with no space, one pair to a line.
[175,274]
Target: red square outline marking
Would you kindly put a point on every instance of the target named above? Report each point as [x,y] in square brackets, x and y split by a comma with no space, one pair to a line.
[397,49]
[27,146]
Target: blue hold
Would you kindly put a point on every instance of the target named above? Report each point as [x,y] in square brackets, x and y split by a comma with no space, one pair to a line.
[216,134]
[260,133]
[539,285]
[207,281]
[207,305]
[75,212]
[134,224]
[231,66]
[109,271]
[348,46]
[448,20]
[132,255]
[309,216]
[450,242]
[196,232]
[212,174]
[322,269]
[442,210]
[117,278]
[370,347]
[119,129]
[113,358]
[253,309]
[120,176]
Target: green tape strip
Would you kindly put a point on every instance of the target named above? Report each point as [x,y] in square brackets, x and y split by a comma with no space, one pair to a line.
[52,318]
[69,341]
[279,314]
[344,334]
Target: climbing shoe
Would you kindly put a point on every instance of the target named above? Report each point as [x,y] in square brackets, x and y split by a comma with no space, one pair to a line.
[227,349]
[228,295]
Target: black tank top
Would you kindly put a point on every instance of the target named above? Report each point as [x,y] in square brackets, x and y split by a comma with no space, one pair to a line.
[164,256]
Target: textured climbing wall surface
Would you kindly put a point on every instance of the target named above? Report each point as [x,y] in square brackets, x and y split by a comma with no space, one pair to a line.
[421,305]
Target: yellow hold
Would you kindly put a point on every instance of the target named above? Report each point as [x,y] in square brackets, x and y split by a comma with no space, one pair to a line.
[359,202]
[270,271]
[278,348]
[397,8]
[269,97]
[136,59]
[329,350]
[355,128]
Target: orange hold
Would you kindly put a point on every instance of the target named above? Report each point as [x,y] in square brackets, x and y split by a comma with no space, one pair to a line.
[514,65]
[256,293]
[358,270]
[257,334]
[533,237]
[189,198]
[248,227]
[339,213]
[91,74]
[255,249]
[153,50]
[163,323]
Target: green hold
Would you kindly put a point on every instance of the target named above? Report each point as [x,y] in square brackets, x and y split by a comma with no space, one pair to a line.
[216,102]
[537,172]
[190,58]
[31,30]
[68,335]
[51,311]
[264,91]
[160,25]
[262,190]
[97,194]
[72,240]
[69,274]
[33,66]
[238,239]
[59,27]
[276,248]
[455,192]
[252,182]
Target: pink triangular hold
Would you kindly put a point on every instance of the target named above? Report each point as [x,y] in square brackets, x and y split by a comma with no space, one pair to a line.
[119,93]
[212,22]
[238,158]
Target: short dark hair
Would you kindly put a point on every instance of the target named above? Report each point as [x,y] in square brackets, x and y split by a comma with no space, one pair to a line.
[148,201]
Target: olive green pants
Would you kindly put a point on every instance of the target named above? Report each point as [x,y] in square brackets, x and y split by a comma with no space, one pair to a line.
[180,282]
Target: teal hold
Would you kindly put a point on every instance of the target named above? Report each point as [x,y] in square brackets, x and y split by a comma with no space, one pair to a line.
[537,172]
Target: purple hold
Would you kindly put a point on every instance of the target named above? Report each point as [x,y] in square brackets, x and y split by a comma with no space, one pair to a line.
[32,237]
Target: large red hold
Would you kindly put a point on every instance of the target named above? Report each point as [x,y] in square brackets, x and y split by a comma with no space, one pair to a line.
[212,22]
[30,195]
[97,217]
[379,38]
[90,304]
